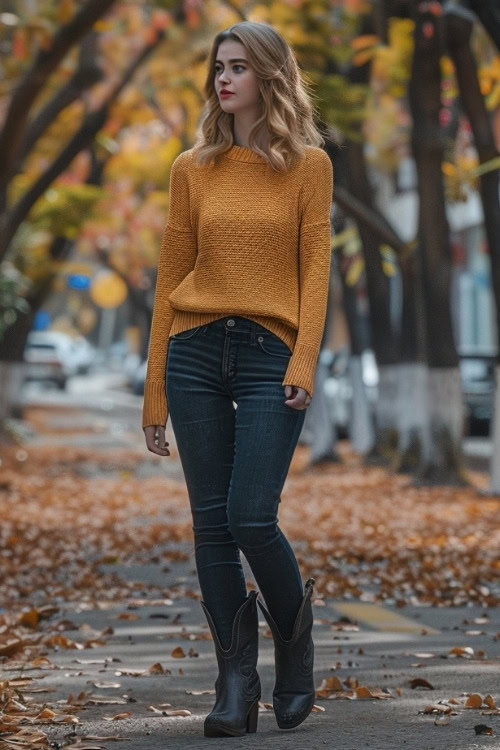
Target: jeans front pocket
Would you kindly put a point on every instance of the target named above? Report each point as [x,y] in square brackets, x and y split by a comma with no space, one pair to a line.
[183,335]
[271,344]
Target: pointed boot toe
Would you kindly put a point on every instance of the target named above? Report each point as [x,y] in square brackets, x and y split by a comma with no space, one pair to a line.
[294,691]
[237,688]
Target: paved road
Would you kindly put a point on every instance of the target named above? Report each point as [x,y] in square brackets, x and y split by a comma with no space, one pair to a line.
[381,647]
[389,649]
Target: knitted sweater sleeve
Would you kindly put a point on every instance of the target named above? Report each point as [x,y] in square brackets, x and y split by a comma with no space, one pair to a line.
[177,258]
[314,274]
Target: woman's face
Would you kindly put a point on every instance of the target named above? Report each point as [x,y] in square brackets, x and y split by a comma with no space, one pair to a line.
[233,72]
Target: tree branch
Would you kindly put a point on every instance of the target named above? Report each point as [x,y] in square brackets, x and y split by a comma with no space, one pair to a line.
[373,221]
[33,81]
[83,137]
[86,75]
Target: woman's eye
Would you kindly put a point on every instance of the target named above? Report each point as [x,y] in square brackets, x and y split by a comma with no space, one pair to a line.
[218,70]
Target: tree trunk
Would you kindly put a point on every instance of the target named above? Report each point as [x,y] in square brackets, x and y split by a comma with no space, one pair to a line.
[442,460]
[12,217]
[361,426]
[413,407]
[459,30]
[383,339]
[33,81]
[488,12]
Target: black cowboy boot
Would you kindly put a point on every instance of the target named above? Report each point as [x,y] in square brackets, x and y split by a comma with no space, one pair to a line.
[237,688]
[294,693]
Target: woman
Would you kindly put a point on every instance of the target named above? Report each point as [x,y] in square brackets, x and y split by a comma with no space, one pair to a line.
[240,304]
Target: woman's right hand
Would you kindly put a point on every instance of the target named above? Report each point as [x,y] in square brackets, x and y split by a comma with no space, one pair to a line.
[155,440]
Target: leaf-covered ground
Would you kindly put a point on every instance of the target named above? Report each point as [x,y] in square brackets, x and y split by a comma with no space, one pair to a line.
[70,513]
[363,532]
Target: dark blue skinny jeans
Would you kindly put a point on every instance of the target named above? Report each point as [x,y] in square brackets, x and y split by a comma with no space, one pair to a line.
[235,462]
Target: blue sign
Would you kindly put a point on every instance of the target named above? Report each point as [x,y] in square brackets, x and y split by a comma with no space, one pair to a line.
[78,281]
[41,320]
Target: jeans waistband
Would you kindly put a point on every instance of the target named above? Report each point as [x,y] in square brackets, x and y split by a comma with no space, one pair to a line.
[237,323]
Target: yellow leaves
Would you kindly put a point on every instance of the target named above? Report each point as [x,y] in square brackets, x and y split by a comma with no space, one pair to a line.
[151,164]
[63,208]
[65,10]
[389,261]
[362,42]
[489,81]
[420,682]
[465,651]
[438,708]
[329,685]
[158,669]
[364,693]
[474,701]
[464,173]
[178,653]
[19,44]
[118,717]
[332,687]
[356,268]
[447,66]
[103,25]
[364,48]
[363,57]
[166,710]
[29,618]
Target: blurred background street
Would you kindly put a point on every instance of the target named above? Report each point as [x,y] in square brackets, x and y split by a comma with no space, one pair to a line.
[393,499]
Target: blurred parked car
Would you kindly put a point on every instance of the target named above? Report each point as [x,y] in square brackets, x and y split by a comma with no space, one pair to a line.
[338,387]
[55,356]
[477,373]
[83,355]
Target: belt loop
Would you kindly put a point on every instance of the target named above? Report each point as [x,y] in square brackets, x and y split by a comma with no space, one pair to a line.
[252,336]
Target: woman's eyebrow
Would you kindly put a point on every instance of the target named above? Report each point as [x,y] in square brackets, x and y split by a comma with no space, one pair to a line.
[234,59]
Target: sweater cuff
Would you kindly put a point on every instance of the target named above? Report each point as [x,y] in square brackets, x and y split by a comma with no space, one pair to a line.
[301,367]
[155,409]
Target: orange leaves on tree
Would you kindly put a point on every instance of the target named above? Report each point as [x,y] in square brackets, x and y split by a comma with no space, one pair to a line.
[65,10]
[161,19]
[428,30]
[19,44]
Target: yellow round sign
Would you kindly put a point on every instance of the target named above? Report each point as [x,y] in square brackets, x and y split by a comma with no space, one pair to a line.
[108,290]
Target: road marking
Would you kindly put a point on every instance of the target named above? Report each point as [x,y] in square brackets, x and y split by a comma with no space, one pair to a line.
[380,618]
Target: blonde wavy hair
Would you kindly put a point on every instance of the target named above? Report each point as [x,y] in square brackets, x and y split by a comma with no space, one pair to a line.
[286,118]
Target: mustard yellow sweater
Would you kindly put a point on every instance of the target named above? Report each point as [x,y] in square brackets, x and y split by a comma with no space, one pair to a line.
[243,239]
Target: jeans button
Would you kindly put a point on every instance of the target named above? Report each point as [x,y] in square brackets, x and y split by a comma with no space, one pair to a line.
[231,322]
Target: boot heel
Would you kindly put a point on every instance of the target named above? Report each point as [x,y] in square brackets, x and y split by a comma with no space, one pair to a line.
[252,718]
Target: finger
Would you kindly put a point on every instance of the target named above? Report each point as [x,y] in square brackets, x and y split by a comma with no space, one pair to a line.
[295,403]
[159,449]
[156,449]
[161,436]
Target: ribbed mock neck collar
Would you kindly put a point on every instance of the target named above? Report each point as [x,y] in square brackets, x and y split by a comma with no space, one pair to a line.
[242,153]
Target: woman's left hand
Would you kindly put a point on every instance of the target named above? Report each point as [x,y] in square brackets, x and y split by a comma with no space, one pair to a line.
[297,397]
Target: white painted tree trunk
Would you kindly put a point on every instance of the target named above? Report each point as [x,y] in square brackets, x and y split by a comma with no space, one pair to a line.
[442,450]
[412,413]
[11,382]
[385,412]
[495,432]
[361,429]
